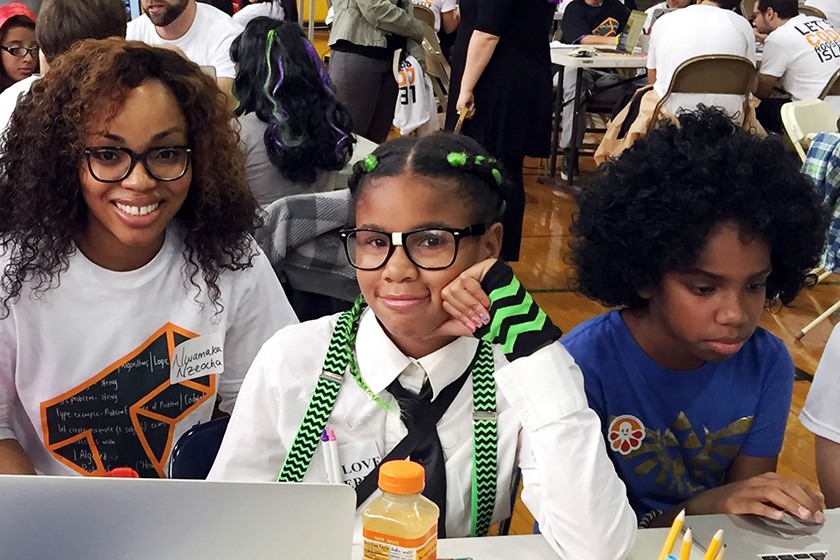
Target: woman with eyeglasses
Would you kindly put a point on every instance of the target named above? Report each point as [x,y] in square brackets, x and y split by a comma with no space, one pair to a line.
[18,50]
[132,296]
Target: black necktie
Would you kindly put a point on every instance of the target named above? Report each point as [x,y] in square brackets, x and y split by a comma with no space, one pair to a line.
[429,452]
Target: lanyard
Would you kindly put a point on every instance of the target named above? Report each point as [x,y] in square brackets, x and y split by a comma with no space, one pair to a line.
[340,356]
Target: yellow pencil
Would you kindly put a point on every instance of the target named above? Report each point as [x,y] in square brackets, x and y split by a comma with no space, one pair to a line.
[676,526]
[721,554]
[685,550]
[714,546]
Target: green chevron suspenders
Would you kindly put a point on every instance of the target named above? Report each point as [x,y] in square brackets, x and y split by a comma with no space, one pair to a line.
[340,357]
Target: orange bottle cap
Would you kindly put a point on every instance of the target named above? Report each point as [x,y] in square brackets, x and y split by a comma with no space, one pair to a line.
[402,477]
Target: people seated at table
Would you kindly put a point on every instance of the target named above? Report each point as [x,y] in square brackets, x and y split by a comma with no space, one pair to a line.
[61,23]
[426,250]
[295,134]
[707,28]
[801,54]
[133,296]
[19,54]
[589,22]
[830,8]
[691,234]
[820,416]
[277,9]
[660,9]
[201,32]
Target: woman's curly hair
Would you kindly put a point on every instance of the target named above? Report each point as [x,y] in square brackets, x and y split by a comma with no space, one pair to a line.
[42,210]
[651,210]
[282,80]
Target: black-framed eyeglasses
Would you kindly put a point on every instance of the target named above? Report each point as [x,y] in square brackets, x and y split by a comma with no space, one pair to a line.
[20,52]
[110,164]
[427,248]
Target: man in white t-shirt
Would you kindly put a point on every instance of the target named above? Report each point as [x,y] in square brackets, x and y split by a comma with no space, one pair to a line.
[446,13]
[658,10]
[801,53]
[709,27]
[203,33]
[831,9]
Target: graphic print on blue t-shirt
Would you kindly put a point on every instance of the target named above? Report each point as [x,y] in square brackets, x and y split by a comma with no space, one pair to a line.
[674,434]
[125,415]
[684,461]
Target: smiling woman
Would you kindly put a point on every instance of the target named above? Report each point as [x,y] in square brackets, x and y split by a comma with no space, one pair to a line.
[129,215]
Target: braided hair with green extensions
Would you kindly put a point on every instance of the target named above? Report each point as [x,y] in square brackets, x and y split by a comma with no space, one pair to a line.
[456,161]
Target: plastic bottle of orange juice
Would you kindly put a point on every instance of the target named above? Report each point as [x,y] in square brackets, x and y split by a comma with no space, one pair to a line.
[401,524]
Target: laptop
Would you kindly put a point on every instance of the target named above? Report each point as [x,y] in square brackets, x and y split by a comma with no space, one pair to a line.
[632,32]
[76,518]
[750,537]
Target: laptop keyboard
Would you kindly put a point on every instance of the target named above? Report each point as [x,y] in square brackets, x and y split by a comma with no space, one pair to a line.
[795,556]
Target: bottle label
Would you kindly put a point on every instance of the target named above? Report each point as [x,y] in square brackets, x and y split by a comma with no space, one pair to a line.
[379,546]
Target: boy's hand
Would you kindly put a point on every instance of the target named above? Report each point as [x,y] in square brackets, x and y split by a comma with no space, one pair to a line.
[769,495]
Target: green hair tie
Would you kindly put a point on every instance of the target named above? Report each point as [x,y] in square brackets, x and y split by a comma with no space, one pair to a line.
[497,175]
[457,159]
[479,160]
[370,163]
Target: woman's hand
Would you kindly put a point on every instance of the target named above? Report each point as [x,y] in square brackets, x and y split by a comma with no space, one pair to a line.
[769,495]
[466,302]
[466,102]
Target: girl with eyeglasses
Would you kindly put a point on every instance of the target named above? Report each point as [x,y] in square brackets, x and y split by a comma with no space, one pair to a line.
[132,296]
[18,50]
[425,243]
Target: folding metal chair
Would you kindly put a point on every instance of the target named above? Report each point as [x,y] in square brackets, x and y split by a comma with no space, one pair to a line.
[721,74]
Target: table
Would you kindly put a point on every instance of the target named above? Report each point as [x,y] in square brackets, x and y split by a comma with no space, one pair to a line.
[534,547]
[601,60]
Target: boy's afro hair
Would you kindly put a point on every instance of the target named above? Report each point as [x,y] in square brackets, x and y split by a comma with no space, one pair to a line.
[651,210]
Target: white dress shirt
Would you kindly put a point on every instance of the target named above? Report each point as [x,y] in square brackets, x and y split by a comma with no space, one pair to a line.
[544,427]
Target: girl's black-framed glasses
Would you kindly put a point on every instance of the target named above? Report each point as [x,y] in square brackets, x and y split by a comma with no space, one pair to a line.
[433,248]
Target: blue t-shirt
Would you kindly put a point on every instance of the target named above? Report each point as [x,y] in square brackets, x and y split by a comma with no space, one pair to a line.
[674,434]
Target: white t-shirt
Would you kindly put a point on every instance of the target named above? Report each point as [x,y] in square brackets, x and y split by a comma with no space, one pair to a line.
[85,368]
[831,9]
[803,53]
[267,9]
[207,43]
[693,31]
[438,7]
[9,99]
[820,413]
[416,110]
[545,427]
[650,12]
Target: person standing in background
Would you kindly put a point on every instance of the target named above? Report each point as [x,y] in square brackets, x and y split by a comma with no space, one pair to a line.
[364,37]
[501,75]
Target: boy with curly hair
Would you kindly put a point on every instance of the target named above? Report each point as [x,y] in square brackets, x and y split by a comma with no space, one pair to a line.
[691,233]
